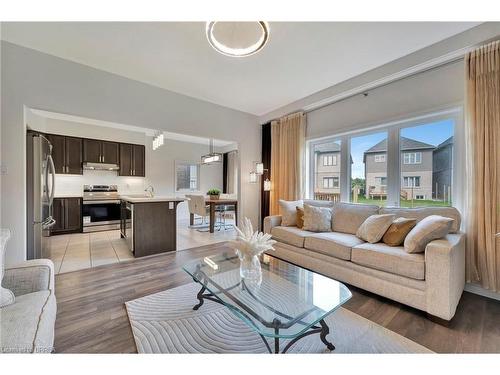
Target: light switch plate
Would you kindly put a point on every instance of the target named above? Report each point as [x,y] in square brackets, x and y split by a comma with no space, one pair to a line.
[3,169]
[170,205]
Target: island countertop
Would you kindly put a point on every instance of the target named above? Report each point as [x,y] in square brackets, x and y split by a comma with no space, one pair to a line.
[142,199]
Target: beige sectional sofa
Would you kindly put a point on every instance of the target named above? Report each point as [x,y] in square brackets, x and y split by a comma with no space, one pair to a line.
[432,281]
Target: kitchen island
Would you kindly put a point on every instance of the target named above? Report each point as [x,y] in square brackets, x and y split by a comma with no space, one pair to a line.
[149,224]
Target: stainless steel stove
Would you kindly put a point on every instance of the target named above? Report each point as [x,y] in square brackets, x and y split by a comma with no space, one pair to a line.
[101,208]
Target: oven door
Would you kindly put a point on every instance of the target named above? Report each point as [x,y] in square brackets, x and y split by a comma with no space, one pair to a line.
[101,212]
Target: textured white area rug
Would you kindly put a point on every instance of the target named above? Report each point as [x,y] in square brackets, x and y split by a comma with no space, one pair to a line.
[165,322]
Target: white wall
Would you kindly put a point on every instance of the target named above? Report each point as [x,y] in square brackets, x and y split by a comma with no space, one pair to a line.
[41,81]
[160,169]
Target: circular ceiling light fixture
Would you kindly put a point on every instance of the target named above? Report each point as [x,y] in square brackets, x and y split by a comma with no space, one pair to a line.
[237,39]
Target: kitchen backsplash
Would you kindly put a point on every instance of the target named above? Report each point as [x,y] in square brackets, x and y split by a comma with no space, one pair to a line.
[73,184]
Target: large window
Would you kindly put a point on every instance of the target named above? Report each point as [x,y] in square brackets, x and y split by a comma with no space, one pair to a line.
[426,164]
[187,176]
[368,171]
[325,159]
[409,163]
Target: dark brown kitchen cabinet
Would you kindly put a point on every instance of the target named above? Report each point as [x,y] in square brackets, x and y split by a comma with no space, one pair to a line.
[125,159]
[95,151]
[92,151]
[73,155]
[132,160]
[138,161]
[66,153]
[58,143]
[67,213]
[110,152]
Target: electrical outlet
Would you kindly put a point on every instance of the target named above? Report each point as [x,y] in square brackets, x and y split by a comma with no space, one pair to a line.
[3,170]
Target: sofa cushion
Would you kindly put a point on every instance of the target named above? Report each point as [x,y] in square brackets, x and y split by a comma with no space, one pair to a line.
[389,259]
[348,217]
[422,212]
[335,244]
[374,227]
[300,217]
[397,232]
[317,219]
[318,203]
[27,326]
[288,212]
[290,235]
[430,228]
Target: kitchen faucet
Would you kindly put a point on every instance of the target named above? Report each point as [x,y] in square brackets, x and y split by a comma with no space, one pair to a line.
[150,190]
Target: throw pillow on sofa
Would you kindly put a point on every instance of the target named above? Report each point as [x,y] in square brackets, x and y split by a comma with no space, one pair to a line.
[397,232]
[288,212]
[300,217]
[317,219]
[374,227]
[430,228]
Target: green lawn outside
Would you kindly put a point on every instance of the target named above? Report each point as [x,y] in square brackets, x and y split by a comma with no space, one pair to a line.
[404,203]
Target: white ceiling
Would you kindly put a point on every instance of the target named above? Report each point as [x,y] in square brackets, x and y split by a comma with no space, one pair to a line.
[300,59]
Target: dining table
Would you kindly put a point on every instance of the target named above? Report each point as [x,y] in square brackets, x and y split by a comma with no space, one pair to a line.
[213,203]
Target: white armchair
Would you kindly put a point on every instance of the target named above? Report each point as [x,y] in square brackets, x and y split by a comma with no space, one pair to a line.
[27,325]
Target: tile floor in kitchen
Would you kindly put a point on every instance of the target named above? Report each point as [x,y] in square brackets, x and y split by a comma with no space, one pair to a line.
[72,252]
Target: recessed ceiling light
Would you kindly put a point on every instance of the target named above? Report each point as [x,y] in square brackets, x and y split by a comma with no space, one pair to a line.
[237,39]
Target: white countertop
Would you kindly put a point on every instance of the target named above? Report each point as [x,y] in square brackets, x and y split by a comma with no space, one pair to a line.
[158,198]
[68,196]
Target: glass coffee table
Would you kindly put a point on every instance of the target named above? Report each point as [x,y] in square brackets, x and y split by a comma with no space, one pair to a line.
[290,303]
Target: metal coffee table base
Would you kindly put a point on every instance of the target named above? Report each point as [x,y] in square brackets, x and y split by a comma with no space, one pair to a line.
[322,329]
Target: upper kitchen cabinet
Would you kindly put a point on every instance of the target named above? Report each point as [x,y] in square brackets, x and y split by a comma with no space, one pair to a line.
[138,160]
[66,153]
[110,152]
[95,151]
[73,150]
[132,160]
[91,151]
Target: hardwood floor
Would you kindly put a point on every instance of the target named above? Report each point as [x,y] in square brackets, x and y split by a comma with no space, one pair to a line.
[91,316]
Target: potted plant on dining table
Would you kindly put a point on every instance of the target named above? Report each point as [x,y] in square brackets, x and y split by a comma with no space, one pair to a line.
[214,194]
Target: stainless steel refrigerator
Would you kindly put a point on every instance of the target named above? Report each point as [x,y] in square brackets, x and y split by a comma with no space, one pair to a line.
[40,180]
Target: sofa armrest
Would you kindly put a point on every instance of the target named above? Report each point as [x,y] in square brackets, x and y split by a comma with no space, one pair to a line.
[445,274]
[30,276]
[270,222]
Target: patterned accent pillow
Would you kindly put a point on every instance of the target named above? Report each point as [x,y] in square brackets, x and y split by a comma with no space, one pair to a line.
[374,227]
[398,231]
[300,217]
[428,229]
[317,219]
[288,212]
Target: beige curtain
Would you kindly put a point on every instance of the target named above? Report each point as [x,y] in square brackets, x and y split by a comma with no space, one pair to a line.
[483,154]
[288,136]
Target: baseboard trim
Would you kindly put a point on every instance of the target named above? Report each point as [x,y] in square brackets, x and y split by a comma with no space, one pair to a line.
[477,289]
